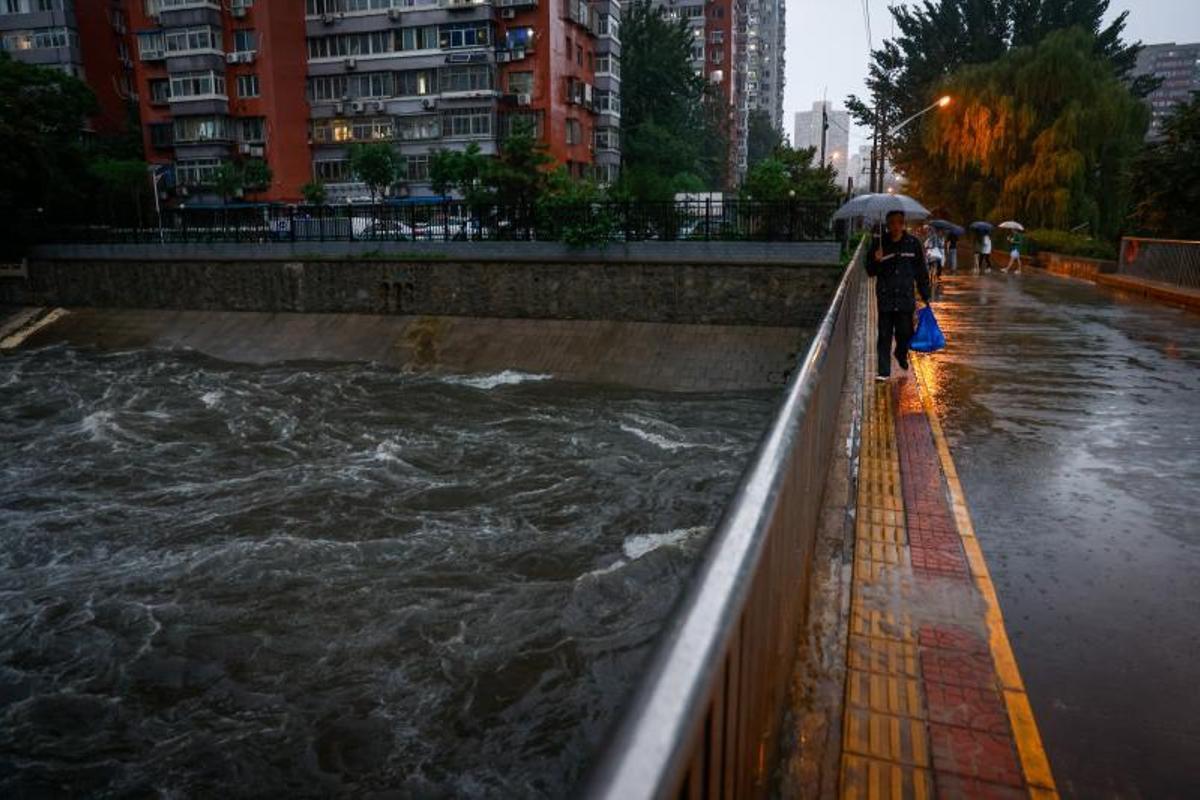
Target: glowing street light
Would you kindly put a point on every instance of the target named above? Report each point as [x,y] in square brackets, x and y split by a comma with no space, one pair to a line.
[941,102]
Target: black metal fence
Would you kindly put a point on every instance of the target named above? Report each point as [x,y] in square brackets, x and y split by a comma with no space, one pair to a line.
[1165,260]
[590,223]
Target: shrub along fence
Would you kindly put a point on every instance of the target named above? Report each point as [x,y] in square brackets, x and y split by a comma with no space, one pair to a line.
[583,223]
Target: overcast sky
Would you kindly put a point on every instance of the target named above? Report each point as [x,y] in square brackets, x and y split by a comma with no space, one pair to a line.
[827,44]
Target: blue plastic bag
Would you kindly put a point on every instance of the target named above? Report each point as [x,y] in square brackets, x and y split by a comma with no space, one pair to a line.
[928,337]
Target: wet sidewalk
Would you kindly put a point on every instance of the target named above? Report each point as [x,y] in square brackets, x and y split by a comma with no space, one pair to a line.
[934,702]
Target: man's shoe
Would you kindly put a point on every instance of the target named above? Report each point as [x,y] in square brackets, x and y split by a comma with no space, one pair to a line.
[903,364]
[881,378]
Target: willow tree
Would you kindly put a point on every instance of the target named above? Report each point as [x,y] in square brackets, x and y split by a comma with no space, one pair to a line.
[1045,134]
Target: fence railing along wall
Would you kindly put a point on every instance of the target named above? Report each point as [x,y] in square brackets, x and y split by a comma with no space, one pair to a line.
[1166,260]
[706,719]
[710,220]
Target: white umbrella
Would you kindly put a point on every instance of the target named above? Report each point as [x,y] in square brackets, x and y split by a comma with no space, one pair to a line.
[853,207]
[1012,226]
[874,208]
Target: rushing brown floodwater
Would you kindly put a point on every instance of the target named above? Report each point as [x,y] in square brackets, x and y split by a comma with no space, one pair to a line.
[313,579]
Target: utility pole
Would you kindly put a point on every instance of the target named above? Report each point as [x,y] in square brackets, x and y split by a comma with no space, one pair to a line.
[824,128]
[875,150]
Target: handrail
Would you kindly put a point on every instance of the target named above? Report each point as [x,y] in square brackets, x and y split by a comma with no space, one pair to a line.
[670,732]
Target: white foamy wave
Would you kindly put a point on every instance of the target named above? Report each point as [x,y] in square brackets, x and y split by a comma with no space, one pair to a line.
[388,451]
[639,545]
[657,439]
[211,399]
[508,377]
[596,573]
[98,425]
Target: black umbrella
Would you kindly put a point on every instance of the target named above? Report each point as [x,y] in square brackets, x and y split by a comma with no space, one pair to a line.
[981,227]
[948,227]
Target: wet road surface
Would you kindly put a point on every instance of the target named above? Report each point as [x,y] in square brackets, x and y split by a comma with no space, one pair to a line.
[1072,416]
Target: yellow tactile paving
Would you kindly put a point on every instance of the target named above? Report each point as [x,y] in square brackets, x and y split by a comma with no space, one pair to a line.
[872,779]
[883,655]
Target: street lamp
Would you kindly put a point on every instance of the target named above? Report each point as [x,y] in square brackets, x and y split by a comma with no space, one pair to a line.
[157,173]
[941,102]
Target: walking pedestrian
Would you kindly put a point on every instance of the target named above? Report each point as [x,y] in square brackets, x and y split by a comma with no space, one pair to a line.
[951,252]
[897,264]
[985,253]
[1014,255]
[934,255]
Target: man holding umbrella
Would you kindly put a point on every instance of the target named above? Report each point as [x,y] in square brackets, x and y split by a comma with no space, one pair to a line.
[897,263]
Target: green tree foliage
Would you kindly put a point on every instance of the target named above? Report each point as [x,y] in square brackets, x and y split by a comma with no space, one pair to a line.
[42,152]
[124,188]
[573,211]
[1044,134]
[671,122]
[1166,178]
[789,175]
[517,177]
[256,174]
[762,137]
[377,165]
[936,38]
[314,192]
[228,181]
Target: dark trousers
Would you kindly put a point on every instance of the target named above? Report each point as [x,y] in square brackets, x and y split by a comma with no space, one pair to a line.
[900,325]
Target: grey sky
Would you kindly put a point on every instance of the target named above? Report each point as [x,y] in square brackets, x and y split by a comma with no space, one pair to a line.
[827,43]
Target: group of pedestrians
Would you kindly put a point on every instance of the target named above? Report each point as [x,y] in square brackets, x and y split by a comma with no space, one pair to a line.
[941,248]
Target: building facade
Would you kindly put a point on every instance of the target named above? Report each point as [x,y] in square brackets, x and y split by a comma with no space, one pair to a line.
[297,83]
[765,64]
[85,38]
[837,136]
[1177,66]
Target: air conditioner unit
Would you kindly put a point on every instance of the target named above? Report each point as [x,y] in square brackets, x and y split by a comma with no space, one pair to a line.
[244,149]
[428,103]
[503,56]
[238,12]
[351,63]
[257,151]
[508,13]
[339,108]
[393,14]
[328,19]
[358,106]
[379,105]
[232,58]
[524,99]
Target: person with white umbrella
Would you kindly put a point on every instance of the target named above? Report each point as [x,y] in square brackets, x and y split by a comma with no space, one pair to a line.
[897,264]
[1015,240]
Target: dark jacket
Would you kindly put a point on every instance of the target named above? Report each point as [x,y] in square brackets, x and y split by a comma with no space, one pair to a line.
[903,264]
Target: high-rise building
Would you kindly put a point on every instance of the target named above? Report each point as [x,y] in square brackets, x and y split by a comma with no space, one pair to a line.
[837,135]
[1177,66]
[765,68]
[719,54]
[296,83]
[88,39]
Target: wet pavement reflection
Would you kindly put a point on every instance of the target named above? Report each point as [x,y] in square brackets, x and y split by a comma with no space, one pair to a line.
[1073,419]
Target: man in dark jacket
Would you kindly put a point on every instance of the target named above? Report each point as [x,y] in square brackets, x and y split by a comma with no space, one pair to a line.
[896,264]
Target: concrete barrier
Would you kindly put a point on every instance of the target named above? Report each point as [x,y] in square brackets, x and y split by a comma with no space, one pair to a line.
[1074,266]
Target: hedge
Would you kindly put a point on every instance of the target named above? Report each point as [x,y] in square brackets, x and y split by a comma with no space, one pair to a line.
[1070,244]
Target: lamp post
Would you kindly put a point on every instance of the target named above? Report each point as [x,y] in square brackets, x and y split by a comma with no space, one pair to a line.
[941,102]
[156,174]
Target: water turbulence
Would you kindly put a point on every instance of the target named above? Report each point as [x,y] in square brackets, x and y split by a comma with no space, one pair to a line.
[314,579]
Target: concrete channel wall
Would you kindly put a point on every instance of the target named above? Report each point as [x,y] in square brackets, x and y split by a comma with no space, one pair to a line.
[700,324]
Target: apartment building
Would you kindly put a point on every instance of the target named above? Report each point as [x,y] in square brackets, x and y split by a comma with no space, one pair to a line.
[85,38]
[719,53]
[297,83]
[1177,66]
[765,35]
[808,133]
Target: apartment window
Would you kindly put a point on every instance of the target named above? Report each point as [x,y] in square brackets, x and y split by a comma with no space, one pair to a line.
[39,39]
[417,128]
[334,131]
[416,83]
[468,122]
[574,131]
[522,121]
[423,38]
[197,84]
[717,37]
[332,170]
[196,171]
[418,168]
[693,12]
[609,26]
[611,65]
[160,91]
[608,101]
[151,7]
[570,48]
[190,39]
[607,139]
[467,34]
[467,78]
[161,135]
[245,40]
[520,38]
[370,85]
[202,129]
[318,7]
[28,6]
[716,56]
[150,45]
[579,55]
[352,44]
[251,129]
[329,87]
[520,83]
[247,85]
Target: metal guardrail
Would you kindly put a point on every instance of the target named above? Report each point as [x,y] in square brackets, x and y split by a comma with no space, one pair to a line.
[701,220]
[1166,260]
[705,720]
